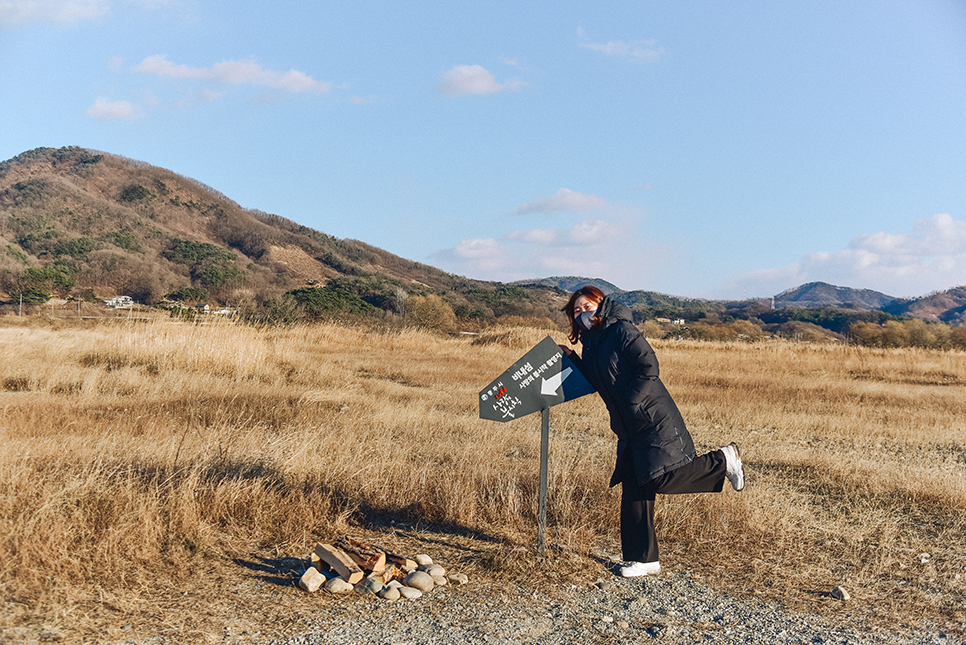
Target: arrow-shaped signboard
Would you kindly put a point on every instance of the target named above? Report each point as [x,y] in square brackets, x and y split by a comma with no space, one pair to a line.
[541,379]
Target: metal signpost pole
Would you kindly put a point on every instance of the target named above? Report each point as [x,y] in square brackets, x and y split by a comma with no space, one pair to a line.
[544,463]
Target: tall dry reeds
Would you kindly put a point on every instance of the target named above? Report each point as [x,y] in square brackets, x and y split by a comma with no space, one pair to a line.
[129,450]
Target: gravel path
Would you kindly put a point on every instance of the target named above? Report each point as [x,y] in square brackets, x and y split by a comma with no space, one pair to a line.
[667,609]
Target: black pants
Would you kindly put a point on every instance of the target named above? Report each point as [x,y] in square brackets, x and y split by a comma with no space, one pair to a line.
[706,474]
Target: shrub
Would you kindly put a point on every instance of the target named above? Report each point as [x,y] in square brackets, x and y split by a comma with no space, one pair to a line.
[806,332]
[430,312]
[134,193]
[704,331]
[866,334]
[77,247]
[652,329]
[209,264]
[124,240]
[319,301]
[747,330]
[957,338]
[189,294]
[33,295]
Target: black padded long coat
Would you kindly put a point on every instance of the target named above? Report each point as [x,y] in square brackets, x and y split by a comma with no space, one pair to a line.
[621,365]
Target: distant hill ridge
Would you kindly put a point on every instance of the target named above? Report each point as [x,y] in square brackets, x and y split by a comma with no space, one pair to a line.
[822,294]
[93,225]
[571,283]
[946,306]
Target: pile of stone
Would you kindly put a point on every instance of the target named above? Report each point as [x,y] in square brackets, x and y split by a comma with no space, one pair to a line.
[350,565]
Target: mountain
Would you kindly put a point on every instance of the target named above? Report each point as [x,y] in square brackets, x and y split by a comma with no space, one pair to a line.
[570,284]
[822,294]
[947,306]
[91,225]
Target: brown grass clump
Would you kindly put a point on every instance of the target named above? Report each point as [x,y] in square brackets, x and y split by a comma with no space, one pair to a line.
[133,454]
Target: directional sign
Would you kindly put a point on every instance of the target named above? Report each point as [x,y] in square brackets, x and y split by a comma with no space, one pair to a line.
[544,377]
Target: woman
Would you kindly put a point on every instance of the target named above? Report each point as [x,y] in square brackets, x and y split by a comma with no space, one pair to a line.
[655,453]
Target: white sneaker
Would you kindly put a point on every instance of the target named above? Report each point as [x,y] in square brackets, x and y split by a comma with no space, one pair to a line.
[735,471]
[637,569]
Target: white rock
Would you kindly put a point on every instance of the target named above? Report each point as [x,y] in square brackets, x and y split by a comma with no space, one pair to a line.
[369,586]
[840,594]
[433,569]
[423,559]
[419,580]
[311,580]
[337,586]
[394,583]
[457,578]
[409,592]
[439,581]
[389,593]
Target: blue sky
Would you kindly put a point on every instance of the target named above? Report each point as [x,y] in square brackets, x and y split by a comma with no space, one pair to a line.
[705,148]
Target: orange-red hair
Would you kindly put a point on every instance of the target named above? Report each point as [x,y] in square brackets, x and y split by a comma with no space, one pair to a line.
[593,294]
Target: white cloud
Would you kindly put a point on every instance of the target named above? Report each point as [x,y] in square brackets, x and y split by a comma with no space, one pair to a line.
[593,231]
[210,95]
[20,13]
[932,258]
[477,248]
[564,200]
[936,235]
[235,72]
[108,110]
[643,51]
[486,255]
[590,248]
[535,235]
[473,79]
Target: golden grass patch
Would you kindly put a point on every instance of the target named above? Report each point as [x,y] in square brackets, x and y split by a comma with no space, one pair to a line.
[129,453]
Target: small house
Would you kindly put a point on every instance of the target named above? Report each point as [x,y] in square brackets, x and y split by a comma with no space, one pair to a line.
[120,302]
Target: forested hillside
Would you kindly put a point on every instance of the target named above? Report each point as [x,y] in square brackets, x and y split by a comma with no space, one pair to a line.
[76,223]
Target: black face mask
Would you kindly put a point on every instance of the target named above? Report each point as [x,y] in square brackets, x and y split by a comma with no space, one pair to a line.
[585,320]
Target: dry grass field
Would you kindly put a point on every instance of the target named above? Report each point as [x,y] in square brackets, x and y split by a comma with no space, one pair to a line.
[133,454]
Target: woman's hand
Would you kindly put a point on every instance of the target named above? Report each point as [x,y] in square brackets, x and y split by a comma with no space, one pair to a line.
[566,350]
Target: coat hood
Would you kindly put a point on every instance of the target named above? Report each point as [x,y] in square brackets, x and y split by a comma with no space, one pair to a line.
[610,311]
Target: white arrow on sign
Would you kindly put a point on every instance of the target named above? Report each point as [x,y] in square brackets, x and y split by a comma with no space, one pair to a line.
[549,386]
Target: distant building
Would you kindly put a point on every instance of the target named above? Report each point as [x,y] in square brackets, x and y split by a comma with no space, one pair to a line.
[120,302]
[202,308]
